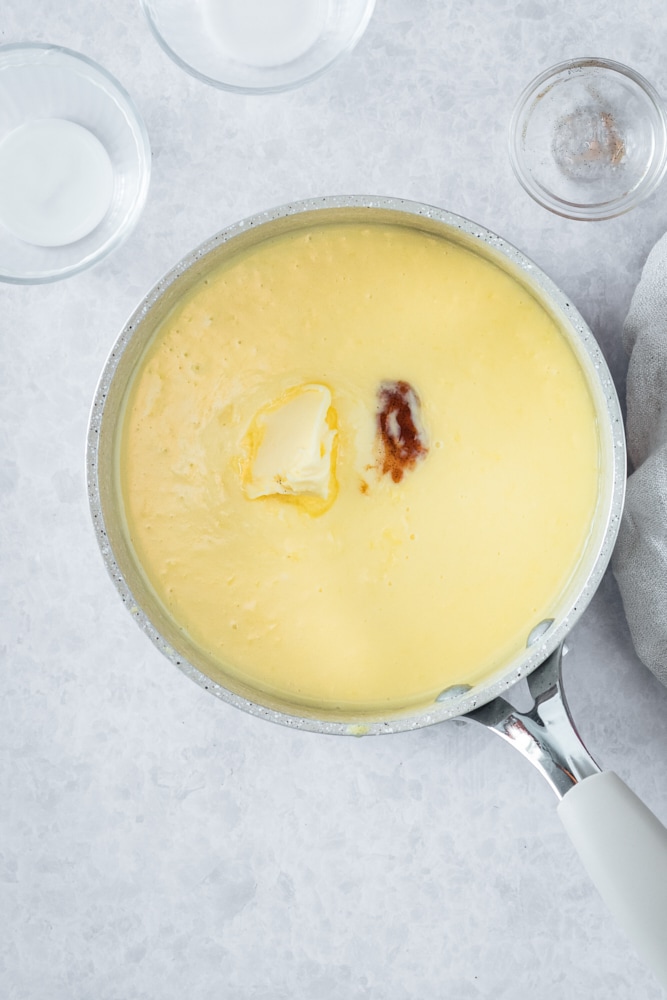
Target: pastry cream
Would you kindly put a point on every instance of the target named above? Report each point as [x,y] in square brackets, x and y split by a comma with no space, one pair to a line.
[358,583]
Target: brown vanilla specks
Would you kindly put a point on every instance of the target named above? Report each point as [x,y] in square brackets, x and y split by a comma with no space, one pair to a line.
[400,433]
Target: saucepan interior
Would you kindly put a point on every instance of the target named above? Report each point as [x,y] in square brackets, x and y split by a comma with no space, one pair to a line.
[107,512]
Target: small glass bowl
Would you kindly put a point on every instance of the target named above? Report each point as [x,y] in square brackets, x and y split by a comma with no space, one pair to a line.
[49,82]
[257,46]
[588,139]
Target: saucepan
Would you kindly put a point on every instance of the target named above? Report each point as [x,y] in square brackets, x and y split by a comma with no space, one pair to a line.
[622,844]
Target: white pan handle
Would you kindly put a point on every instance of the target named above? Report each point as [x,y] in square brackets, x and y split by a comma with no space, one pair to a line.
[623,847]
[621,843]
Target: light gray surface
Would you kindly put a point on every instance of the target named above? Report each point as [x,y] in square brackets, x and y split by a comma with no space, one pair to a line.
[156,844]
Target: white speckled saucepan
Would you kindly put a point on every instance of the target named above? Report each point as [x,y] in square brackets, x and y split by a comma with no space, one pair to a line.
[621,843]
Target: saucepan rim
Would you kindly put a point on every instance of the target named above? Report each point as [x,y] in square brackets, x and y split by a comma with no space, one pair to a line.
[457,701]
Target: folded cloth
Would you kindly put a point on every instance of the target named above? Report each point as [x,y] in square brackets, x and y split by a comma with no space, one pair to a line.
[640,557]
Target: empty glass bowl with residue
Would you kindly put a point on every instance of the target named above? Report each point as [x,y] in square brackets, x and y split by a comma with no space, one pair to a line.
[588,139]
[257,46]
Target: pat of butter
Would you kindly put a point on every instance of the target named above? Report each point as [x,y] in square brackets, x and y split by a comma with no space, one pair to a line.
[291,445]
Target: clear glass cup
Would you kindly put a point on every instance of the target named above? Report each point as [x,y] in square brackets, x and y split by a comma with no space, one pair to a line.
[257,46]
[41,83]
[588,139]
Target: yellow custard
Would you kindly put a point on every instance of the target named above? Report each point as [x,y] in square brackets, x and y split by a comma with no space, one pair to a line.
[350,587]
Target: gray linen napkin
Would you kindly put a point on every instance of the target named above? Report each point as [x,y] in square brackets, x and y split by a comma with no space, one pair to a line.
[640,557]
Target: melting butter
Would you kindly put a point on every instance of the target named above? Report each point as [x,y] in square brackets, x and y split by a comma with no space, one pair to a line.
[291,445]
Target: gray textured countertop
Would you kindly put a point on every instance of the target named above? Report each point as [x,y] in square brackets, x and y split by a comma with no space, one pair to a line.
[156,844]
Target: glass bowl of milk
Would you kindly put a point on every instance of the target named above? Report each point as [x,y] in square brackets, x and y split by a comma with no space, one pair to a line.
[74,163]
[257,46]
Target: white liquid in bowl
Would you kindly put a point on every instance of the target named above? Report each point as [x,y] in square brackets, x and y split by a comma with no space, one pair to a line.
[56,182]
[265,32]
